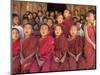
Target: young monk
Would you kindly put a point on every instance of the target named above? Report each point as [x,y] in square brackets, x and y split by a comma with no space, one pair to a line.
[90,41]
[15,51]
[68,21]
[28,49]
[60,60]
[15,24]
[50,25]
[75,52]
[60,21]
[45,50]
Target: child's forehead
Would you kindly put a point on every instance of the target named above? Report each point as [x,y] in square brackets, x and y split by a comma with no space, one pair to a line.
[28,25]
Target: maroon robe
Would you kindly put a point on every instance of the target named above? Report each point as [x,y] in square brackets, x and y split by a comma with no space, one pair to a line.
[61,47]
[76,48]
[45,51]
[67,24]
[89,51]
[16,57]
[28,47]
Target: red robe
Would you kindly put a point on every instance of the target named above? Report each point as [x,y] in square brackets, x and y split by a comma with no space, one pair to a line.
[16,57]
[67,24]
[61,47]
[28,47]
[45,51]
[76,48]
[89,51]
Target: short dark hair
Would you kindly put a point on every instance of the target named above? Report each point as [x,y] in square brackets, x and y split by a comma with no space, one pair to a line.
[14,15]
[16,30]
[28,24]
[25,18]
[44,25]
[90,12]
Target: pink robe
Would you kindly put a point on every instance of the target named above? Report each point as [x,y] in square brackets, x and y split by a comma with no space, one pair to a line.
[89,51]
[61,47]
[28,47]
[45,51]
[67,24]
[16,66]
[76,48]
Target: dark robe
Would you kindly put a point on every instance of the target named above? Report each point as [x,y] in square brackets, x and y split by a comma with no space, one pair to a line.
[89,51]
[28,50]
[60,52]
[45,51]
[16,66]
[67,24]
[75,52]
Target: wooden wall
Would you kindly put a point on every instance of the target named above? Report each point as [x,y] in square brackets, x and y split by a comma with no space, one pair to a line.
[20,7]
[81,8]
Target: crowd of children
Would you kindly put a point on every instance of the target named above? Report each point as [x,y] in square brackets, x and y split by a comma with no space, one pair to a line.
[53,41]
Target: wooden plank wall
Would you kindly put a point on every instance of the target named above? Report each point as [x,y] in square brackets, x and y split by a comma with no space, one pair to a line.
[20,7]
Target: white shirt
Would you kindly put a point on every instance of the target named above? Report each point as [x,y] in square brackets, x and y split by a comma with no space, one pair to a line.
[81,32]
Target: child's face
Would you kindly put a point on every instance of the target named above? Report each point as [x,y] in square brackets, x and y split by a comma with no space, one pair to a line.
[58,31]
[16,20]
[15,34]
[45,20]
[39,14]
[34,15]
[47,13]
[73,31]
[78,24]
[30,16]
[37,19]
[52,14]
[25,21]
[44,30]
[90,17]
[66,13]
[28,30]
[60,19]
[49,22]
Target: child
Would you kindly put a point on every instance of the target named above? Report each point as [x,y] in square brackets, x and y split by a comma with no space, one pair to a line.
[25,21]
[15,24]
[60,19]
[80,30]
[15,51]
[45,50]
[75,52]
[50,24]
[68,21]
[60,60]
[40,15]
[36,26]
[28,49]
[90,41]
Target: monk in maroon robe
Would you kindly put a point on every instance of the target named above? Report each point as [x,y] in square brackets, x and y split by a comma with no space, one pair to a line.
[28,49]
[75,52]
[45,50]
[68,22]
[15,51]
[90,42]
[59,59]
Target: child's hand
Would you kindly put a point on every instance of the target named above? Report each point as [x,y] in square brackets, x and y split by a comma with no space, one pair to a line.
[56,59]
[94,46]
[22,61]
[41,63]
